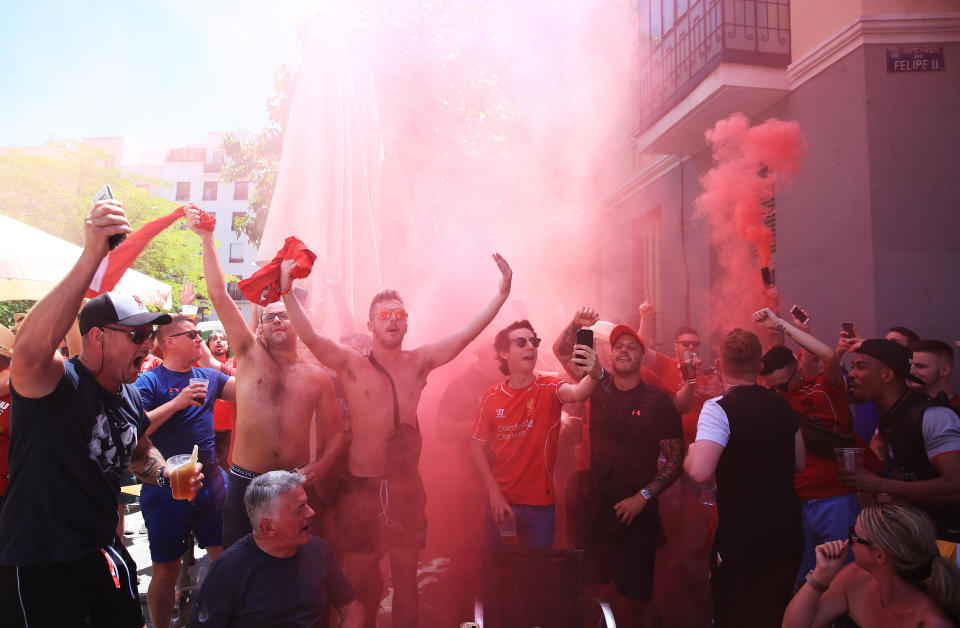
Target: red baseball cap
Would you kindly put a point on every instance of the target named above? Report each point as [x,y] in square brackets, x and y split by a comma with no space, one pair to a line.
[619,330]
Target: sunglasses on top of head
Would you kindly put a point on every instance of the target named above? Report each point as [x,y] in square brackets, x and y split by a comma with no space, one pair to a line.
[137,336]
[271,316]
[398,313]
[192,333]
[522,342]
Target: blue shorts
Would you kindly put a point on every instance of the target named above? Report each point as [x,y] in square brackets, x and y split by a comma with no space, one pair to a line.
[169,521]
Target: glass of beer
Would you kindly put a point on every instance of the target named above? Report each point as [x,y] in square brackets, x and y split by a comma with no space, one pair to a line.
[199,398]
[508,530]
[688,366]
[181,471]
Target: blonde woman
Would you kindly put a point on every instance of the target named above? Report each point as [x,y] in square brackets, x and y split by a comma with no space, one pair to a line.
[898,577]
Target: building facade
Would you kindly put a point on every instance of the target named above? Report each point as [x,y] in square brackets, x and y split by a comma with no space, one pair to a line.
[868,230]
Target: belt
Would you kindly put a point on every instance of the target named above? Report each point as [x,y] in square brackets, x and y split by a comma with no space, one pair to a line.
[248,474]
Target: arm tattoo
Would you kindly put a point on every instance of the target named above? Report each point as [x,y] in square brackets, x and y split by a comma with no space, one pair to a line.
[672,450]
[146,462]
[567,340]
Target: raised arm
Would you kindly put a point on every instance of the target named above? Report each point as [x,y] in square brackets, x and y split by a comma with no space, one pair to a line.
[647,317]
[563,345]
[38,366]
[332,354]
[828,357]
[241,337]
[585,359]
[440,352]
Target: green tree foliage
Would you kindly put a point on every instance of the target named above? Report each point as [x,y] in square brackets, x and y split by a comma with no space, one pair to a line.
[258,160]
[53,193]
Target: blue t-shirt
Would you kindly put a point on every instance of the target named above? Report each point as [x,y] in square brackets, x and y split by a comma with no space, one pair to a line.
[188,427]
[248,588]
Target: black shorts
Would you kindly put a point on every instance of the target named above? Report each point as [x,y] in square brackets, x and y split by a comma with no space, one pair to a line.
[613,551]
[100,588]
[375,514]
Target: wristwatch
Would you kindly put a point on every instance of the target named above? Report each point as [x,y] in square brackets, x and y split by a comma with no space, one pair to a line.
[646,494]
[162,481]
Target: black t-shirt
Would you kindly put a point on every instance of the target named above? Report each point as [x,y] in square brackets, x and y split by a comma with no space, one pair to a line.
[626,427]
[68,451]
[248,588]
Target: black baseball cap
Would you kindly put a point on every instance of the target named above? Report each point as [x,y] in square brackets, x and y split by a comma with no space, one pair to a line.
[891,353]
[776,358]
[113,308]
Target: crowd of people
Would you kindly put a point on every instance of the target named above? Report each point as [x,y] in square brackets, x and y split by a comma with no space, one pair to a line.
[296,530]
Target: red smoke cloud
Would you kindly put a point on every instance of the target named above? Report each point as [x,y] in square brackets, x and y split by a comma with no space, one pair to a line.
[750,162]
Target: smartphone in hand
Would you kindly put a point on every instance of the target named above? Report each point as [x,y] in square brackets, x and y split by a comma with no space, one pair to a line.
[105,193]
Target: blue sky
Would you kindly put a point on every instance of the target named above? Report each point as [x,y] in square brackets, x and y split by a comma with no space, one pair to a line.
[160,72]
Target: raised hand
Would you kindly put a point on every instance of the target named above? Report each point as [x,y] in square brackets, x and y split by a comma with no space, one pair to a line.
[106,219]
[585,317]
[286,279]
[506,271]
[766,318]
[187,293]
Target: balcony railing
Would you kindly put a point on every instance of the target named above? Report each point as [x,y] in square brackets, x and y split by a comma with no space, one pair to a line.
[708,32]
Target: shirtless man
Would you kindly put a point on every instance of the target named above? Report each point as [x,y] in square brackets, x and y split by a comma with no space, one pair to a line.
[382,507]
[277,395]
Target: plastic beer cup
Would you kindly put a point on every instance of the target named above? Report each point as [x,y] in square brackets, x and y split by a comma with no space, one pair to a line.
[181,472]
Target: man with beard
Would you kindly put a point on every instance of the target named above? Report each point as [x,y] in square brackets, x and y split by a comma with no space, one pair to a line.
[382,506]
[180,410]
[78,424]
[631,424]
[278,393]
[932,365]
[920,435]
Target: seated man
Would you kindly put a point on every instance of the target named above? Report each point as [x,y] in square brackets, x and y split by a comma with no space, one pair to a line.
[279,574]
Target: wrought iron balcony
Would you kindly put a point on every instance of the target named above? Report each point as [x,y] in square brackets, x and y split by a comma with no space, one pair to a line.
[687,39]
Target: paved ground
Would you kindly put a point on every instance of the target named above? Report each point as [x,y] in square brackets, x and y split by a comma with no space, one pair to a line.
[681,586]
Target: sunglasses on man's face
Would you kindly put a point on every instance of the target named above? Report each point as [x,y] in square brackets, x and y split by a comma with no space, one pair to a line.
[215,337]
[522,342]
[270,316]
[853,538]
[137,336]
[192,333]
[399,314]
[694,344]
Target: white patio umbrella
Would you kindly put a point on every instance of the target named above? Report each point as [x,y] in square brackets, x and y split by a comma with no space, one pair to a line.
[33,261]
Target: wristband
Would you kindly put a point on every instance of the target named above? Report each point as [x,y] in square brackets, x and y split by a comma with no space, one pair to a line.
[283,292]
[162,481]
[601,375]
[646,494]
[816,586]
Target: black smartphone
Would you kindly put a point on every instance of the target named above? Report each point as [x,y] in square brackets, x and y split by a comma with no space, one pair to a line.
[767,277]
[106,192]
[585,337]
[848,327]
[796,311]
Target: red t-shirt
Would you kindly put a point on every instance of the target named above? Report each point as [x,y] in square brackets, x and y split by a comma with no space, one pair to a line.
[826,405]
[522,427]
[225,412]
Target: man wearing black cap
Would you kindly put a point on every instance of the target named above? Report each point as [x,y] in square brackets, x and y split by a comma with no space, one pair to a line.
[78,424]
[920,435]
